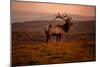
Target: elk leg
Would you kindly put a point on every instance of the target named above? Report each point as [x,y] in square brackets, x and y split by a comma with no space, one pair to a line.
[48,38]
[59,37]
[47,35]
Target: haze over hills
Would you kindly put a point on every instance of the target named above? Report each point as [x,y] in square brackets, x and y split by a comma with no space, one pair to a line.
[30,11]
[22,17]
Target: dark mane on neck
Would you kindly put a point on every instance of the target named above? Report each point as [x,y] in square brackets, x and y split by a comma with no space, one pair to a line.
[66,27]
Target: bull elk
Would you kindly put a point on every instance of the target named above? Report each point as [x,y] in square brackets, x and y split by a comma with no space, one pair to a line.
[58,30]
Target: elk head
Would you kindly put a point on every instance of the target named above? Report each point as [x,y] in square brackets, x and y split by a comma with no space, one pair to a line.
[70,24]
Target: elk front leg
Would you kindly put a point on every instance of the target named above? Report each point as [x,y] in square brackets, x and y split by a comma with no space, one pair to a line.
[47,39]
[57,38]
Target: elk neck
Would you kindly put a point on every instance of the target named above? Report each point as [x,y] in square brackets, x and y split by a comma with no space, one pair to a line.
[66,27]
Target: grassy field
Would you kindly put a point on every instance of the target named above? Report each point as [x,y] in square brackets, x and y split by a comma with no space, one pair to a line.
[29,46]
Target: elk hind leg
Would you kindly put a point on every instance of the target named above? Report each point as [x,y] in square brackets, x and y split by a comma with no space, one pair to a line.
[59,37]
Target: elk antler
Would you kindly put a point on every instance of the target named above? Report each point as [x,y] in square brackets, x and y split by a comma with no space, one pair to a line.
[64,17]
[58,15]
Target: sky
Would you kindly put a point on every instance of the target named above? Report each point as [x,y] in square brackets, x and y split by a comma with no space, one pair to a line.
[30,11]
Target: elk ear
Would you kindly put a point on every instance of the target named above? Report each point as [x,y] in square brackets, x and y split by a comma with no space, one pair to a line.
[71,24]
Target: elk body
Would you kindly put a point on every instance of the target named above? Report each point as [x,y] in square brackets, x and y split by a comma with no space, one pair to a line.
[58,30]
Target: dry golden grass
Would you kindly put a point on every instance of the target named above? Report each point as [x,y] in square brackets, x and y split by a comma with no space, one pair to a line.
[29,46]
[26,51]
